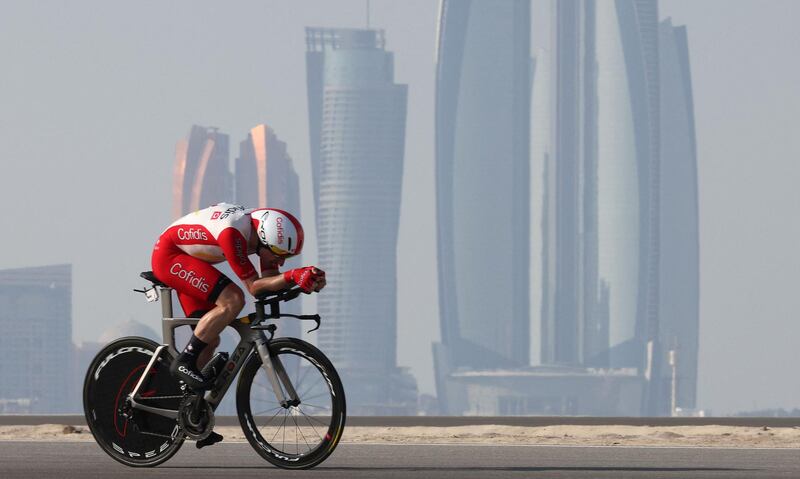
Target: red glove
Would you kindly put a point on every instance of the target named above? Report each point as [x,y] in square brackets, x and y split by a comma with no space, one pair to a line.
[303,277]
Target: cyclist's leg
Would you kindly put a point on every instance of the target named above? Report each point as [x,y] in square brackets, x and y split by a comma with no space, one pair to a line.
[217,316]
[228,304]
[199,286]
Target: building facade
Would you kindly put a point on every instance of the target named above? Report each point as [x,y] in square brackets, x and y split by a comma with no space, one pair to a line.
[357,116]
[264,176]
[36,344]
[620,255]
[679,286]
[483,81]
[202,175]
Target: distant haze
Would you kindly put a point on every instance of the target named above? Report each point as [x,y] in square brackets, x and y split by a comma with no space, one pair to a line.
[94,95]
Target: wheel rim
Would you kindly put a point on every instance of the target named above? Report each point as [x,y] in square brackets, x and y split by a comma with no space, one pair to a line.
[300,430]
[110,382]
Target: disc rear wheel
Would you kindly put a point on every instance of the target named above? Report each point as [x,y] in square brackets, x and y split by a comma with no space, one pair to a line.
[132,436]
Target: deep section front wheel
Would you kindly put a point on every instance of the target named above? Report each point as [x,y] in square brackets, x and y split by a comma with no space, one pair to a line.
[296,436]
[132,436]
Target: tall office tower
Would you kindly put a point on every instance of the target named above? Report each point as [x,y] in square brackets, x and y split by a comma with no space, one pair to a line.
[483,81]
[36,340]
[357,120]
[574,328]
[264,173]
[626,52]
[680,250]
[542,212]
[202,174]
[265,177]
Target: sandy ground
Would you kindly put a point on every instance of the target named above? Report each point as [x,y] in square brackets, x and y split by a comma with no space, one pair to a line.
[690,436]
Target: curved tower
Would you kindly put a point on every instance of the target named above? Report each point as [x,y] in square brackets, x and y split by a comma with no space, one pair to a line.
[201,176]
[357,118]
[680,237]
[627,173]
[483,81]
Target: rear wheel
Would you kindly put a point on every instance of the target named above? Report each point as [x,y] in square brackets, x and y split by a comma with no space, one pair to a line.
[132,436]
[292,436]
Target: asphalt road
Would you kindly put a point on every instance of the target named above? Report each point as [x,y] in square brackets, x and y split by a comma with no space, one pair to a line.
[72,460]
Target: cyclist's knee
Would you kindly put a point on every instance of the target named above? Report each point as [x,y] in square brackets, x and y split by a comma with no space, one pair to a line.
[231,300]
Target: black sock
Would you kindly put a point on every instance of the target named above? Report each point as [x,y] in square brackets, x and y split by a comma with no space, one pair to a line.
[193,350]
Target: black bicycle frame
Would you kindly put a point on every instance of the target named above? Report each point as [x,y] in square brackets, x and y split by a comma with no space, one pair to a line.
[252,338]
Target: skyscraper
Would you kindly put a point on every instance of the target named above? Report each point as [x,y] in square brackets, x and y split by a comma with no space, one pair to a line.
[36,340]
[264,173]
[357,120]
[626,49]
[265,177]
[483,81]
[202,175]
[680,250]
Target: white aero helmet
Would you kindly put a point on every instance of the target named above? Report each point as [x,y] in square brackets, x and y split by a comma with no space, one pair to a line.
[279,231]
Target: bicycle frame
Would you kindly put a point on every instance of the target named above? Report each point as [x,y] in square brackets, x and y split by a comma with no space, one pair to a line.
[251,339]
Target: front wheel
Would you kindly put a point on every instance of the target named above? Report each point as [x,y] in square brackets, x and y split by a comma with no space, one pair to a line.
[132,436]
[292,436]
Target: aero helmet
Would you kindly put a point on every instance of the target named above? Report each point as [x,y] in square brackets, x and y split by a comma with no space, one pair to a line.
[279,231]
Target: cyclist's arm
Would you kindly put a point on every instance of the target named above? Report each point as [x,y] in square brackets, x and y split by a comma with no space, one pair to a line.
[234,246]
[271,279]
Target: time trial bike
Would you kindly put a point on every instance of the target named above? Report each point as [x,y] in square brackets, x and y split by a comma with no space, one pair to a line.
[289,398]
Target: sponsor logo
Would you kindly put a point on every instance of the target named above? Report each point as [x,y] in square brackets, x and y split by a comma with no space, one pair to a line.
[192,234]
[190,277]
[192,375]
[279,225]
[229,369]
[116,353]
[241,256]
[215,215]
[262,232]
[230,211]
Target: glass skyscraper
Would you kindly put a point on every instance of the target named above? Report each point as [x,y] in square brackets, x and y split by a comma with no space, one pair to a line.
[680,237]
[357,116]
[202,175]
[626,49]
[483,81]
[36,349]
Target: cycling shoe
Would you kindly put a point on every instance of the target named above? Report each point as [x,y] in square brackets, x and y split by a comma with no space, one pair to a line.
[212,439]
[191,376]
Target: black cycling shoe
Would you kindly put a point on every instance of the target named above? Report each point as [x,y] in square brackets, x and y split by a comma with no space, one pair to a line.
[212,439]
[193,378]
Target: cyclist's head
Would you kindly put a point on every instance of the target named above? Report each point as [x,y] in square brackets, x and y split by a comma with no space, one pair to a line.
[279,231]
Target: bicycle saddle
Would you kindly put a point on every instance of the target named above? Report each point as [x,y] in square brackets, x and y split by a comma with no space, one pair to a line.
[149,276]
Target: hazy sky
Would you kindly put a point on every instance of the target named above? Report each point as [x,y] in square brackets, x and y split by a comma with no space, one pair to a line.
[94,95]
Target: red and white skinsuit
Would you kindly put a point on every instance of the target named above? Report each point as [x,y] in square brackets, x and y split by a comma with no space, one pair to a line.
[185,251]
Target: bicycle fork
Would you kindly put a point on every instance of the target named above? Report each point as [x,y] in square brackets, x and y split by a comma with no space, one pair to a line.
[276,373]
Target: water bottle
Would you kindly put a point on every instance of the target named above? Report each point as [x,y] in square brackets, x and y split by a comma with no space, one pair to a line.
[215,365]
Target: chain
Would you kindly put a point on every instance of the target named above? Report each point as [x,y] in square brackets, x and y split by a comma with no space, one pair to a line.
[160,397]
[159,435]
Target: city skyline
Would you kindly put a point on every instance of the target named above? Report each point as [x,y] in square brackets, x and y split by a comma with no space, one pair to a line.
[71,126]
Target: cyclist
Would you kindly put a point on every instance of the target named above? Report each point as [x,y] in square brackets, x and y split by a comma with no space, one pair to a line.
[183,257]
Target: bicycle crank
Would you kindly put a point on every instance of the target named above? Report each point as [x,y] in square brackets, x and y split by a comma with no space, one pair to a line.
[196,417]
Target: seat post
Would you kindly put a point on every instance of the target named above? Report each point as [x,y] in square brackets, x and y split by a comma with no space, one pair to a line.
[166,301]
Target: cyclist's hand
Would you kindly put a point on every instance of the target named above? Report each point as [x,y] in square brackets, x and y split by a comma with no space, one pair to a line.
[319,279]
[308,278]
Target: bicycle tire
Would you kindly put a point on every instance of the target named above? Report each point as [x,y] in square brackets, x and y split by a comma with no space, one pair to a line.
[293,351]
[110,377]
